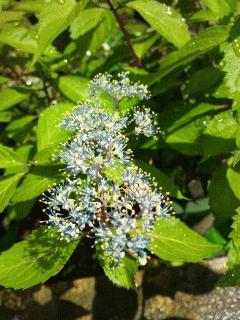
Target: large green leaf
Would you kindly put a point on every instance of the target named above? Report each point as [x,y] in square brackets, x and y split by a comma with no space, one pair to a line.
[45,156]
[204,15]
[10,97]
[202,43]
[24,38]
[233,177]
[163,181]
[34,260]
[18,37]
[232,276]
[24,154]
[172,240]
[164,19]
[6,116]
[221,7]
[8,16]
[219,135]
[18,211]
[204,80]
[123,274]
[231,65]
[75,88]
[222,200]
[18,124]
[37,182]
[30,5]
[7,187]
[90,42]
[85,21]
[9,158]
[142,44]
[55,17]
[182,126]
[48,128]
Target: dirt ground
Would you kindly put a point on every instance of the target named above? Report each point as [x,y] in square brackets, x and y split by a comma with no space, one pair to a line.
[188,292]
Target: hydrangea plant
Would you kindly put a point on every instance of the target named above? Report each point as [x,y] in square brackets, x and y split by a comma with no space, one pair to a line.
[101,194]
[105,195]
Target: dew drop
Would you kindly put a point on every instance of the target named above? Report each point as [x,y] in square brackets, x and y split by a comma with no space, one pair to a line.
[169,11]
[88,53]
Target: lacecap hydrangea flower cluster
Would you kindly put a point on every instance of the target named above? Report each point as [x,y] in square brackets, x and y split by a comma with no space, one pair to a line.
[105,195]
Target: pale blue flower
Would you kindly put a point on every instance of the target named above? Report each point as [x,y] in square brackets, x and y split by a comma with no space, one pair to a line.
[119,215]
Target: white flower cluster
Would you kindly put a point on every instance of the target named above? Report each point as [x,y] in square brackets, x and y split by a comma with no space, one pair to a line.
[118,213]
[119,88]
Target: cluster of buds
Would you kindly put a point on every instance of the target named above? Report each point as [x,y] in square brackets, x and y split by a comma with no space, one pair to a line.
[105,195]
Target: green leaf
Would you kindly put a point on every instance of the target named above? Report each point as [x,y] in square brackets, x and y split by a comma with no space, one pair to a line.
[55,17]
[24,154]
[163,181]
[141,45]
[9,158]
[19,123]
[197,207]
[123,274]
[34,260]
[205,41]
[48,128]
[19,37]
[75,88]
[183,115]
[18,211]
[8,16]
[164,19]
[6,116]
[115,172]
[24,39]
[204,15]
[214,236]
[221,7]
[45,156]
[231,65]
[7,187]
[185,139]
[37,182]
[30,5]
[221,197]
[203,80]
[85,21]
[11,97]
[172,240]
[219,136]
[232,276]
[182,126]
[233,177]
[3,79]
[90,42]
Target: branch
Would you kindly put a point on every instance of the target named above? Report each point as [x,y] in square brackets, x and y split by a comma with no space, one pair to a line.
[136,60]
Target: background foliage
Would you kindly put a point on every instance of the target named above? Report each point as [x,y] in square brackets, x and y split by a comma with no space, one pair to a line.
[187,52]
